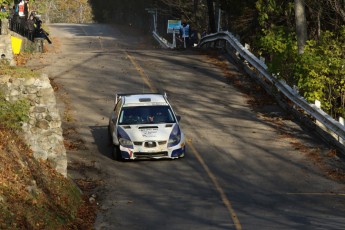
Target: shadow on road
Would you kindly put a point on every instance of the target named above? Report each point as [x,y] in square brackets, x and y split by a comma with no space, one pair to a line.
[102,141]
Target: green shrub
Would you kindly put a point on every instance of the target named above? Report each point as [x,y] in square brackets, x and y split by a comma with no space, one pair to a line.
[280,48]
[12,114]
[320,72]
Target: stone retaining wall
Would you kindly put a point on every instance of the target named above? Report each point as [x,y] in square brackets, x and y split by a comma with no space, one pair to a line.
[6,49]
[43,132]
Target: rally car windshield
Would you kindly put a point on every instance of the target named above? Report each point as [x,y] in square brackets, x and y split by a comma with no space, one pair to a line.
[146,115]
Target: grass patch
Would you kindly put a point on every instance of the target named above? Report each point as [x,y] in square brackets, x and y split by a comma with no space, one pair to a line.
[13,114]
[17,71]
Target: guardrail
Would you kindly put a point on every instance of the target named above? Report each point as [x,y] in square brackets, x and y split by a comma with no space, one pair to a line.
[162,42]
[315,112]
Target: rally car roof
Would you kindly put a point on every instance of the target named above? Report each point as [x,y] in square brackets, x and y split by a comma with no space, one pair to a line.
[142,99]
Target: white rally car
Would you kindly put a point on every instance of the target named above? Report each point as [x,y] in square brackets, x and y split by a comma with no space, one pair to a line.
[144,126]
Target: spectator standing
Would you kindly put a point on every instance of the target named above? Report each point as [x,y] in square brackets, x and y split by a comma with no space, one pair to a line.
[21,9]
[185,33]
[26,9]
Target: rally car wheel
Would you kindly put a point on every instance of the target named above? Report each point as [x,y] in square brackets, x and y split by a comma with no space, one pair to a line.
[117,153]
[109,135]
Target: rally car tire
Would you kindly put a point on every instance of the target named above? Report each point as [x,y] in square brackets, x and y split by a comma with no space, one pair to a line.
[116,153]
[110,137]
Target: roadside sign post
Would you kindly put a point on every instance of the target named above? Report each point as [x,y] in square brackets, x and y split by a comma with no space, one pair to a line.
[154,13]
[174,39]
[174,28]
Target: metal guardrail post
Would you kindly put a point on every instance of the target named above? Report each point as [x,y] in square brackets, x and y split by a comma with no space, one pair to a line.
[39,44]
[341,121]
[162,42]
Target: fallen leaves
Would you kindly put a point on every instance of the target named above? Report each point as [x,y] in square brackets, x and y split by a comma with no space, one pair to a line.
[32,193]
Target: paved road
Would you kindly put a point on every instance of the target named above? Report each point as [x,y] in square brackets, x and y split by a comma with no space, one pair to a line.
[239,172]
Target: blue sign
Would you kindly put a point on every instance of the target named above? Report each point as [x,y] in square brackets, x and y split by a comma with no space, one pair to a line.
[174,26]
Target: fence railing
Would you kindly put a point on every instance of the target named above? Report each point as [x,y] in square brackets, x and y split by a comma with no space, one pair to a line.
[31,27]
[22,26]
[312,110]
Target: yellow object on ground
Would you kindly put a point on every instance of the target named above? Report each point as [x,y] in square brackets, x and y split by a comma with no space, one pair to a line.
[16,44]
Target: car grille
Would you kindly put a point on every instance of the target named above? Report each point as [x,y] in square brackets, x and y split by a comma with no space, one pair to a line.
[138,143]
[150,155]
[162,142]
[149,144]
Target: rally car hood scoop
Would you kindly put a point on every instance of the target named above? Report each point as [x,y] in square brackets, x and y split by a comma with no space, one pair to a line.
[148,127]
[149,132]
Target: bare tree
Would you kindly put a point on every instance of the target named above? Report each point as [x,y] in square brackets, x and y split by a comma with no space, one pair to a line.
[339,7]
[185,8]
[211,16]
[195,11]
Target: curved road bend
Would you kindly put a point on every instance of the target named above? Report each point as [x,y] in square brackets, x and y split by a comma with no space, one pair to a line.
[238,172]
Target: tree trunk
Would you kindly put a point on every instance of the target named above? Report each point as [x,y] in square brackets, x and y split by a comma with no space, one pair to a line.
[196,3]
[211,19]
[301,25]
[319,23]
[195,10]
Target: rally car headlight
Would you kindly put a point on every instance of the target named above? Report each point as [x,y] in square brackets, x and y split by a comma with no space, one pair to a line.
[126,143]
[175,136]
[124,139]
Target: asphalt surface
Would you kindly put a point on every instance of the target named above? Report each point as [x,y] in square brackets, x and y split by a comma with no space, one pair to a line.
[239,172]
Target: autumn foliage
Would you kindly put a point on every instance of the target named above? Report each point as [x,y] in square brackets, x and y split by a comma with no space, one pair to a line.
[32,194]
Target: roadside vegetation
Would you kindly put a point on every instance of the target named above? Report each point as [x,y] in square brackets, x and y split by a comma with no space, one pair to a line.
[318,71]
[13,113]
[32,194]
[16,71]
[52,11]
